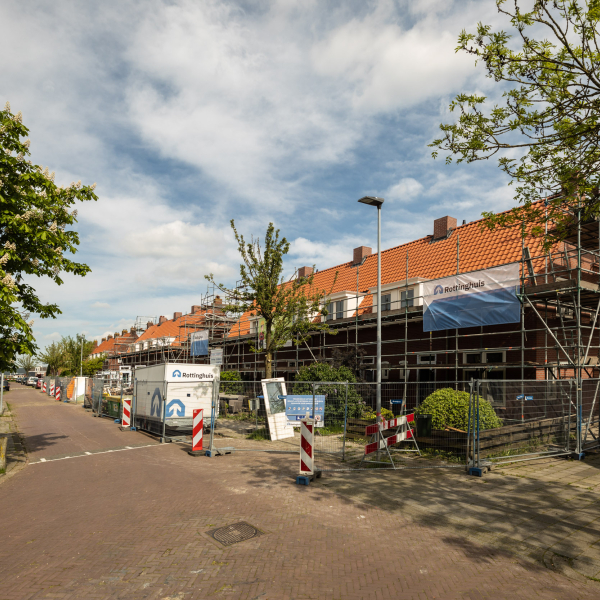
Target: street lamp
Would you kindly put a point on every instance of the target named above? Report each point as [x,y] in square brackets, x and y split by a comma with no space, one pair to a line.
[374,201]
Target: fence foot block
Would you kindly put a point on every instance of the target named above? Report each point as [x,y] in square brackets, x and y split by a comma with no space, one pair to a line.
[133,428]
[117,421]
[476,471]
[303,479]
[577,455]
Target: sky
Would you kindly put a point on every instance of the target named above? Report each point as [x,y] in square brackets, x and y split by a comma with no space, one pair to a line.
[188,114]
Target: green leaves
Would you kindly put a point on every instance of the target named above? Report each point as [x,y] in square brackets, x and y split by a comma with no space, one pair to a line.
[450,408]
[290,309]
[550,115]
[35,215]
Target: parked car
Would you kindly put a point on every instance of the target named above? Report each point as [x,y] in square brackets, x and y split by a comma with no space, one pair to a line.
[6,385]
[32,381]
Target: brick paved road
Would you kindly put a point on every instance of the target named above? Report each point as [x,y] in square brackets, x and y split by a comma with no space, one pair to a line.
[132,525]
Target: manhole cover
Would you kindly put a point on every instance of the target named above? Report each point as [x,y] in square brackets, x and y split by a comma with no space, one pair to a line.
[232,534]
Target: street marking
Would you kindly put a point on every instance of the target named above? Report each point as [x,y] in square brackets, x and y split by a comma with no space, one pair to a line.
[43,460]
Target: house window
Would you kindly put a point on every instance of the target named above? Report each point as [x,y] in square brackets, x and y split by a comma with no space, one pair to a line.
[330,309]
[494,357]
[386,302]
[407,298]
[253,326]
[339,309]
[472,358]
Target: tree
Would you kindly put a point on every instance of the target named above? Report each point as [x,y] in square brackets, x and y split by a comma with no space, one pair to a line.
[64,357]
[54,357]
[26,362]
[545,132]
[291,310]
[34,239]
[92,365]
[335,394]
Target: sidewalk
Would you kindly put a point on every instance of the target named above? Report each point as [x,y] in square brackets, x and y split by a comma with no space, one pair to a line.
[16,458]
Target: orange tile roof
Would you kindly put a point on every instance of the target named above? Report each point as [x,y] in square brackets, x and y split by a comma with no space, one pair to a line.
[479,248]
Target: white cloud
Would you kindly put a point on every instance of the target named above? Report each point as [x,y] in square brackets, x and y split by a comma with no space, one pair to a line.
[190,113]
[405,190]
[51,337]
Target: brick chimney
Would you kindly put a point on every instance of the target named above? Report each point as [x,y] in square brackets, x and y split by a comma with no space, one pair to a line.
[103,340]
[195,308]
[218,301]
[132,330]
[176,315]
[149,324]
[304,272]
[109,336]
[95,343]
[124,332]
[116,334]
[162,320]
[442,226]
[360,253]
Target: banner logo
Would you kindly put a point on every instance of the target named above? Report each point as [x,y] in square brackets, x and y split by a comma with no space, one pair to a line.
[176,373]
[438,290]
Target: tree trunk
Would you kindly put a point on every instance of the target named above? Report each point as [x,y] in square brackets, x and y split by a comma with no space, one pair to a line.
[268,352]
[268,364]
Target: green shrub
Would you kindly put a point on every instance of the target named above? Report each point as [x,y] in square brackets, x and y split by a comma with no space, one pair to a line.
[335,395]
[237,387]
[450,408]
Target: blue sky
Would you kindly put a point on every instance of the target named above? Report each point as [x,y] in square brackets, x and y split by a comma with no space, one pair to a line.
[188,114]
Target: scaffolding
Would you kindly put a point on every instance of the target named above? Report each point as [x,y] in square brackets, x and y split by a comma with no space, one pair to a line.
[557,337]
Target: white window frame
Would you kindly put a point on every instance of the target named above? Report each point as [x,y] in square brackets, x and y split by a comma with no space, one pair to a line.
[473,365]
[350,305]
[395,289]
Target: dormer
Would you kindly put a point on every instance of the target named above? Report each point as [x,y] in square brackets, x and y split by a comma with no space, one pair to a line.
[341,305]
[399,295]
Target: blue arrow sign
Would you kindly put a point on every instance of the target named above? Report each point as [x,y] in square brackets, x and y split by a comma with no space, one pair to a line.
[156,404]
[171,408]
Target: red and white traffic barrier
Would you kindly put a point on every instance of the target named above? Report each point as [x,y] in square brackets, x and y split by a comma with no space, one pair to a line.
[57,393]
[403,432]
[126,420]
[197,429]
[44,387]
[52,389]
[307,439]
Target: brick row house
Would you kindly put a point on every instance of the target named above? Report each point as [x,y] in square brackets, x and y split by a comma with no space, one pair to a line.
[558,292]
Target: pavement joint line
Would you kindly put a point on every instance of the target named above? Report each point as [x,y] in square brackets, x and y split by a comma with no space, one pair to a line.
[43,460]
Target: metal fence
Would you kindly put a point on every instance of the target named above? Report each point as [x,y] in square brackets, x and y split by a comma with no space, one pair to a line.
[455,424]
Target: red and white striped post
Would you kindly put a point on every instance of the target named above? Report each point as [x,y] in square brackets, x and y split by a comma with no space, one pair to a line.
[197,430]
[126,420]
[57,393]
[52,389]
[44,387]
[307,438]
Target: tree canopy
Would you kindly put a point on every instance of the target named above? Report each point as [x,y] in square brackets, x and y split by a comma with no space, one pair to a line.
[35,239]
[290,309]
[545,131]
[64,356]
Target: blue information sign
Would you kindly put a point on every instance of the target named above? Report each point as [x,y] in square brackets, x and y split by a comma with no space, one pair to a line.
[296,408]
[523,397]
[397,401]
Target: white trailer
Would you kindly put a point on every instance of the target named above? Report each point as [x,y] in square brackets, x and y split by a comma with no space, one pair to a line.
[171,391]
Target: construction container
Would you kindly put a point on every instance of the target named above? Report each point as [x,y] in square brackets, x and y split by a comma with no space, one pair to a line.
[172,391]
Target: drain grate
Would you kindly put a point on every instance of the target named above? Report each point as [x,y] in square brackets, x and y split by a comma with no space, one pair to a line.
[232,534]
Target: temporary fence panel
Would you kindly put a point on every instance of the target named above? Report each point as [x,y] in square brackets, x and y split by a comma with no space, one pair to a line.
[526,419]
[76,390]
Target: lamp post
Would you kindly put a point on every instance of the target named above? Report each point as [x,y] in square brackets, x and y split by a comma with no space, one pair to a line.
[374,201]
[81,361]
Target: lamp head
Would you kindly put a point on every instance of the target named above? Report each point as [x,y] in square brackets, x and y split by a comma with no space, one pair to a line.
[372,200]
